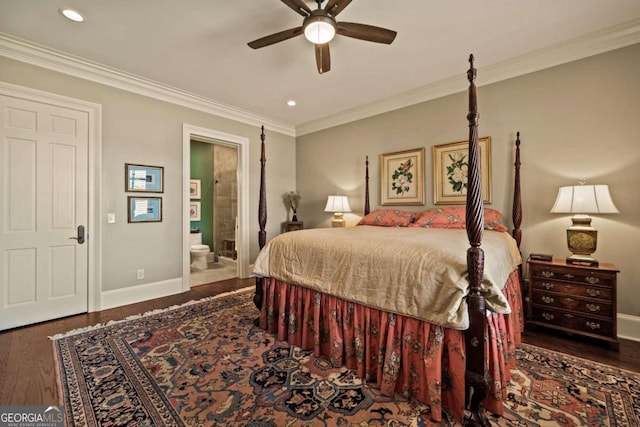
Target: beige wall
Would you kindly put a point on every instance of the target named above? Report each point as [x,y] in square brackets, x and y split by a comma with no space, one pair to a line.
[137,129]
[579,120]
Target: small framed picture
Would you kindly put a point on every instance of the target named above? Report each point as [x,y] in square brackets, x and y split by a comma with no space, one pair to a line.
[450,164]
[144,209]
[195,189]
[402,178]
[142,178]
[194,211]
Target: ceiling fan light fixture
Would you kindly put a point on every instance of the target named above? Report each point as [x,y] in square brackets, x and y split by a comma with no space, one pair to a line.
[319,29]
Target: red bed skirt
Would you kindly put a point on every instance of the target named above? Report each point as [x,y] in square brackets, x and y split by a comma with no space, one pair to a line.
[398,354]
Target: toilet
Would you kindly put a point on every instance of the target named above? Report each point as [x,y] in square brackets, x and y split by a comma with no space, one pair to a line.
[199,252]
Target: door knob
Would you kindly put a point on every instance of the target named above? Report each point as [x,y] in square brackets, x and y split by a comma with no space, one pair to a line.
[80,236]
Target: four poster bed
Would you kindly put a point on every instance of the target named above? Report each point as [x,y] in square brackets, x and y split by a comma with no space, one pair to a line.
[413,308]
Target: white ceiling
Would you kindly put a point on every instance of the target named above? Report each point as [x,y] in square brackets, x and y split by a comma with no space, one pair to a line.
[200,46]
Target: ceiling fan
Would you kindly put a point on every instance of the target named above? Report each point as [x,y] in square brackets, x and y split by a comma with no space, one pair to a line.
[320,26]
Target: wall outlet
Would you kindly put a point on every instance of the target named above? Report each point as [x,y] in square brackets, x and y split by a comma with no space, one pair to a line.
[140,274]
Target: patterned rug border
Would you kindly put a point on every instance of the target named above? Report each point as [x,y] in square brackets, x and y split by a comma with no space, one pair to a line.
[147,314]
[547,352]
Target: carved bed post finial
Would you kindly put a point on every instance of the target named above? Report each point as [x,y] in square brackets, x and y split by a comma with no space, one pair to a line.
[262,220]
[517,198]
[366,187]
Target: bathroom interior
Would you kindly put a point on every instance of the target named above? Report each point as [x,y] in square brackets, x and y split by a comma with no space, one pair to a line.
[213,207]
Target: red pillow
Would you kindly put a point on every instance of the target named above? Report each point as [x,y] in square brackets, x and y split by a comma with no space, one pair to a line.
[454,217]
[389,218]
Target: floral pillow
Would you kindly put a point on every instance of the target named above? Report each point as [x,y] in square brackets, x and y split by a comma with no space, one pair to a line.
[389,218]
[454,217]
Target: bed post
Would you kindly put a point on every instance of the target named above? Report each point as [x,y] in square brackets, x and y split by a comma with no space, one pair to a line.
[262,219]
[517,198]
[366,187]
[477,384]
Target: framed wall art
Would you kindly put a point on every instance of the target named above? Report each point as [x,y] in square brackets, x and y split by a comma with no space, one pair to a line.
[402,178]
[450,165]
[144,209]
[141,178]
[194,211]
[195,189]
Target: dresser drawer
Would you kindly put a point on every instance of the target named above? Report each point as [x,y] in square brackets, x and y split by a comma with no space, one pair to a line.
[567,302]
[577,322]
[579,276]
[578,290]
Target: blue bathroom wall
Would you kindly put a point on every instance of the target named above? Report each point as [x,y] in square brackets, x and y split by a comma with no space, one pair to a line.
[202,169]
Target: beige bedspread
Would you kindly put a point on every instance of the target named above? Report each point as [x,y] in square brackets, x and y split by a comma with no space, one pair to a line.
[418,272]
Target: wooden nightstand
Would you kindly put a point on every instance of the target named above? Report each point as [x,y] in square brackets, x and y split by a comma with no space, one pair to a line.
[575,299]
[293,226]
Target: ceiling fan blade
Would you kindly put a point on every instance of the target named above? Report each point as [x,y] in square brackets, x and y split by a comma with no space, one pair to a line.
[323,59]
[334,7]
[299,6]
[275,38]
[366,32]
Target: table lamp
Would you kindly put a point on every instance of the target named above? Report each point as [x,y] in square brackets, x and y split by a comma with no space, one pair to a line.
[338,205]
[581,200]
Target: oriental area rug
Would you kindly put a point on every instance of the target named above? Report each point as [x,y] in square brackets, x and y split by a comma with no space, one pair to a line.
[205,364]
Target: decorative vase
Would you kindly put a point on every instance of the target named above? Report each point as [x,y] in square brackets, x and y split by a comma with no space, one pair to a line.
[295,217]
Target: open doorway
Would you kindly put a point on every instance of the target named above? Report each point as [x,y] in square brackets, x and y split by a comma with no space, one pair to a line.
[213,211]
[230,240]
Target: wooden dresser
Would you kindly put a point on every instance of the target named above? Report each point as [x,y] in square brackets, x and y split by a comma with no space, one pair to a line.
[575,299]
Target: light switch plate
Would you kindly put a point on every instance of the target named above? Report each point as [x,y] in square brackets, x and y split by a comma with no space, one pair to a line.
[111,218]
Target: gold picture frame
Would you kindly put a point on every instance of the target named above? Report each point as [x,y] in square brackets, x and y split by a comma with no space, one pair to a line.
[402,178]
[450,162]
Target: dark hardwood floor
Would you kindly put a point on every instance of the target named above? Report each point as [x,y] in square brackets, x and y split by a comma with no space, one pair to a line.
[27,365]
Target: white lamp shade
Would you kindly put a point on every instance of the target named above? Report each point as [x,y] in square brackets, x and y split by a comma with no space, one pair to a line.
[584,199]
[319,30]
[337,204]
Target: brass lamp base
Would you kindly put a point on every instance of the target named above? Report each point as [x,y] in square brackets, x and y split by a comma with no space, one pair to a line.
[338,220]
[582,241]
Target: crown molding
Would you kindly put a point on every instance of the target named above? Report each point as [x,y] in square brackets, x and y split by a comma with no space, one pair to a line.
[41,56]
[602,41]
[605,40]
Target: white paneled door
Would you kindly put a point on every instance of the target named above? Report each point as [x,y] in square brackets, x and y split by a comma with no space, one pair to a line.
[44,211]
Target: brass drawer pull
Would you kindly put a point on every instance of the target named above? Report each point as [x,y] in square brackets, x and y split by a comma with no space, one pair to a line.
[593,292]
[593,307]
[569,300]
[547,285]
[592,325]
[547,299]
[548,316]
[569,276]
[547,273]
[592,280]
[569,316]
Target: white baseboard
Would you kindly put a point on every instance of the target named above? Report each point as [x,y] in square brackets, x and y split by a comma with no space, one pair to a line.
[629,327]
[134,294]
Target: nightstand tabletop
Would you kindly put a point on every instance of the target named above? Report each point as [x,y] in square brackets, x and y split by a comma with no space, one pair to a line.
[562,263]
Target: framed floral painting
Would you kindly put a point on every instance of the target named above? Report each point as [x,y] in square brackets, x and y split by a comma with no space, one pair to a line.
[450,165]
[402,178]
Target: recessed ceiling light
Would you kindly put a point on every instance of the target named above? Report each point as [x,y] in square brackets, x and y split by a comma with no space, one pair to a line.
[72,15]
[291,103]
